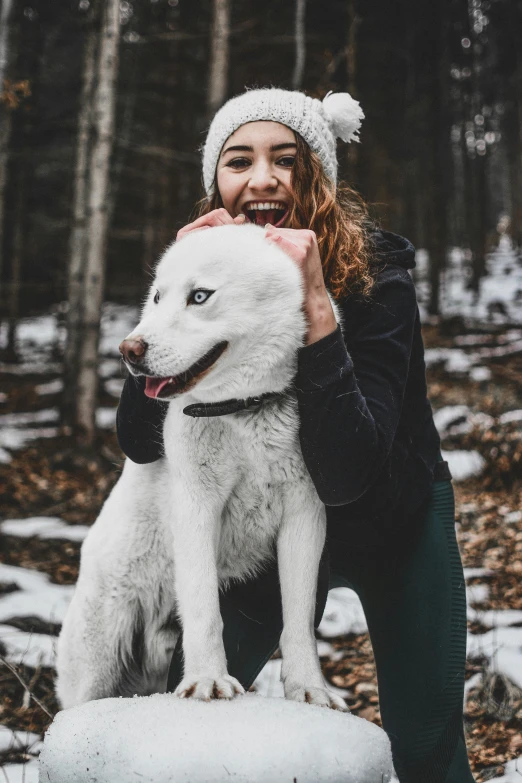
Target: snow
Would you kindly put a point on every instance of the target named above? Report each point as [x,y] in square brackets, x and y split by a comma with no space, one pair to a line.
[496,301]
[37,338]
[507,418]
[22,419]
[455,359]
[36,595]
[480,374]
[268,682]
[31,649]
[496,618]
[503,646]
[10,739]
[477,594]
[43,527]
[470,573]
[250,738]
[13,438]
[448,415]
[109,367]
[116,323]
[16,430]
[512,772]
[52,387]
[464,464]
[343,614]
[30,368]
[21,773]
[114,386]
[106,418]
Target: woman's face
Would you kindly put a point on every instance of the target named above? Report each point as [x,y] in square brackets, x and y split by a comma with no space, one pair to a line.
[254,172]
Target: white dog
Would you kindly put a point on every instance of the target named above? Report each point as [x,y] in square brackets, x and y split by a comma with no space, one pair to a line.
[223,320]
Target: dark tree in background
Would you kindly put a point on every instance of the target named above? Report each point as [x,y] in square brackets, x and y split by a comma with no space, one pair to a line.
[219,57]
[440,159]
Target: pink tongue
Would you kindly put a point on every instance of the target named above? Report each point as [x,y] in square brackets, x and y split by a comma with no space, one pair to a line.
[153,386]
[264,216]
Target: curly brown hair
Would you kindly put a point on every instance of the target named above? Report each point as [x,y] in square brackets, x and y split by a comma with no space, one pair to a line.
[338,216]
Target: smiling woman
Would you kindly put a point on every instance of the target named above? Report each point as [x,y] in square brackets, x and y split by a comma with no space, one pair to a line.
[264,161]
[254,173]
[366,428]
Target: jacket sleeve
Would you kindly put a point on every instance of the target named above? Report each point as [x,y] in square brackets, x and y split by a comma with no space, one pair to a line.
[139,423]
[350,393]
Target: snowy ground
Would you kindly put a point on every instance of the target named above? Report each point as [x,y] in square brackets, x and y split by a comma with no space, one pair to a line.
[499,299]
[33,595]
[39,341]
[37,597]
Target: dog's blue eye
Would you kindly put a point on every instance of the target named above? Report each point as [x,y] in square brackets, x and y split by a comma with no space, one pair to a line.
[156,297]
[199,296]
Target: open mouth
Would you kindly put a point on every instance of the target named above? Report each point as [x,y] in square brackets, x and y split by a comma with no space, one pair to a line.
[263,212]
[164,388]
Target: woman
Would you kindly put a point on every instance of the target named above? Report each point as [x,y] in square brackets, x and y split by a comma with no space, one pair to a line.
[366,427]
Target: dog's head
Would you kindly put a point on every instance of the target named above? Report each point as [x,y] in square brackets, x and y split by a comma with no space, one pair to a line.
[223,318]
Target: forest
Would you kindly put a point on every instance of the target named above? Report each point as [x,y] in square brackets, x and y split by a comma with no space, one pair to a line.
[104,105]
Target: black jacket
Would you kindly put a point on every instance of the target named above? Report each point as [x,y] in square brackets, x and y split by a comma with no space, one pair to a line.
[366,426]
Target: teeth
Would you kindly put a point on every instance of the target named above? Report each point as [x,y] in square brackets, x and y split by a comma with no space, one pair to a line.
[261,205]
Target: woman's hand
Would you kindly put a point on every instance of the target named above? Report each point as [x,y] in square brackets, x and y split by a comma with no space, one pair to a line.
[218,217]
[301,246]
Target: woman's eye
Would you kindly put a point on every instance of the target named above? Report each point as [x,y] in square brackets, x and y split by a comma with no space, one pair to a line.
[156,297]
[199,296]
[287,160]
[238,163]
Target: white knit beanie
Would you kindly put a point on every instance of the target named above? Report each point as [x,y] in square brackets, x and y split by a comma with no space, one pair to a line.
[318,122]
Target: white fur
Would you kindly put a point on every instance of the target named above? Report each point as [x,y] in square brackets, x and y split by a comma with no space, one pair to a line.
[230,491]
[344,114]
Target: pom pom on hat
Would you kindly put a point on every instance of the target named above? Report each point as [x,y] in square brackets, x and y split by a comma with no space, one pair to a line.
[344,115]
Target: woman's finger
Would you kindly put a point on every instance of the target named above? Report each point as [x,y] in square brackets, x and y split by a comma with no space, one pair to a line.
[285,244]
[218,217]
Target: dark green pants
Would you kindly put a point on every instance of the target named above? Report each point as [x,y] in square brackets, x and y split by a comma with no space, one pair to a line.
[413,595]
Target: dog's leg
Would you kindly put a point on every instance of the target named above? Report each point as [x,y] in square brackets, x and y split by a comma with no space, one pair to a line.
[299,547]
[195,533]
[118,630]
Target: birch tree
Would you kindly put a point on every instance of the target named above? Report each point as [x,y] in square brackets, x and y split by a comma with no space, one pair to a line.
[219,56]
[300,44]
[89,233]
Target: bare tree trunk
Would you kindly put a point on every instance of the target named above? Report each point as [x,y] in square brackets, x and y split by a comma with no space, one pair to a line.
[300,44]
[517,159]
[92,206]
[79,233]
[5,114]
[440,154]
[16,267]
[352,150]
[219,56]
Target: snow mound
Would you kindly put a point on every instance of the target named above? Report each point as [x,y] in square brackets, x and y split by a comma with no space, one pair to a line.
[160,738]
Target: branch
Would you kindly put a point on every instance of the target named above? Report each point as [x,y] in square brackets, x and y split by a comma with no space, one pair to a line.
[25,686]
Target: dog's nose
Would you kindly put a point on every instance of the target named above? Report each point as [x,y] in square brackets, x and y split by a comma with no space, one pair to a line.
[134,350]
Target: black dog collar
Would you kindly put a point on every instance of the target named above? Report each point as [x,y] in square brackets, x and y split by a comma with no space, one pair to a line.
[229,406]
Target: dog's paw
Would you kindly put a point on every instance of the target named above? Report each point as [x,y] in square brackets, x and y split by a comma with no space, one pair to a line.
[319,696]
[207,688]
